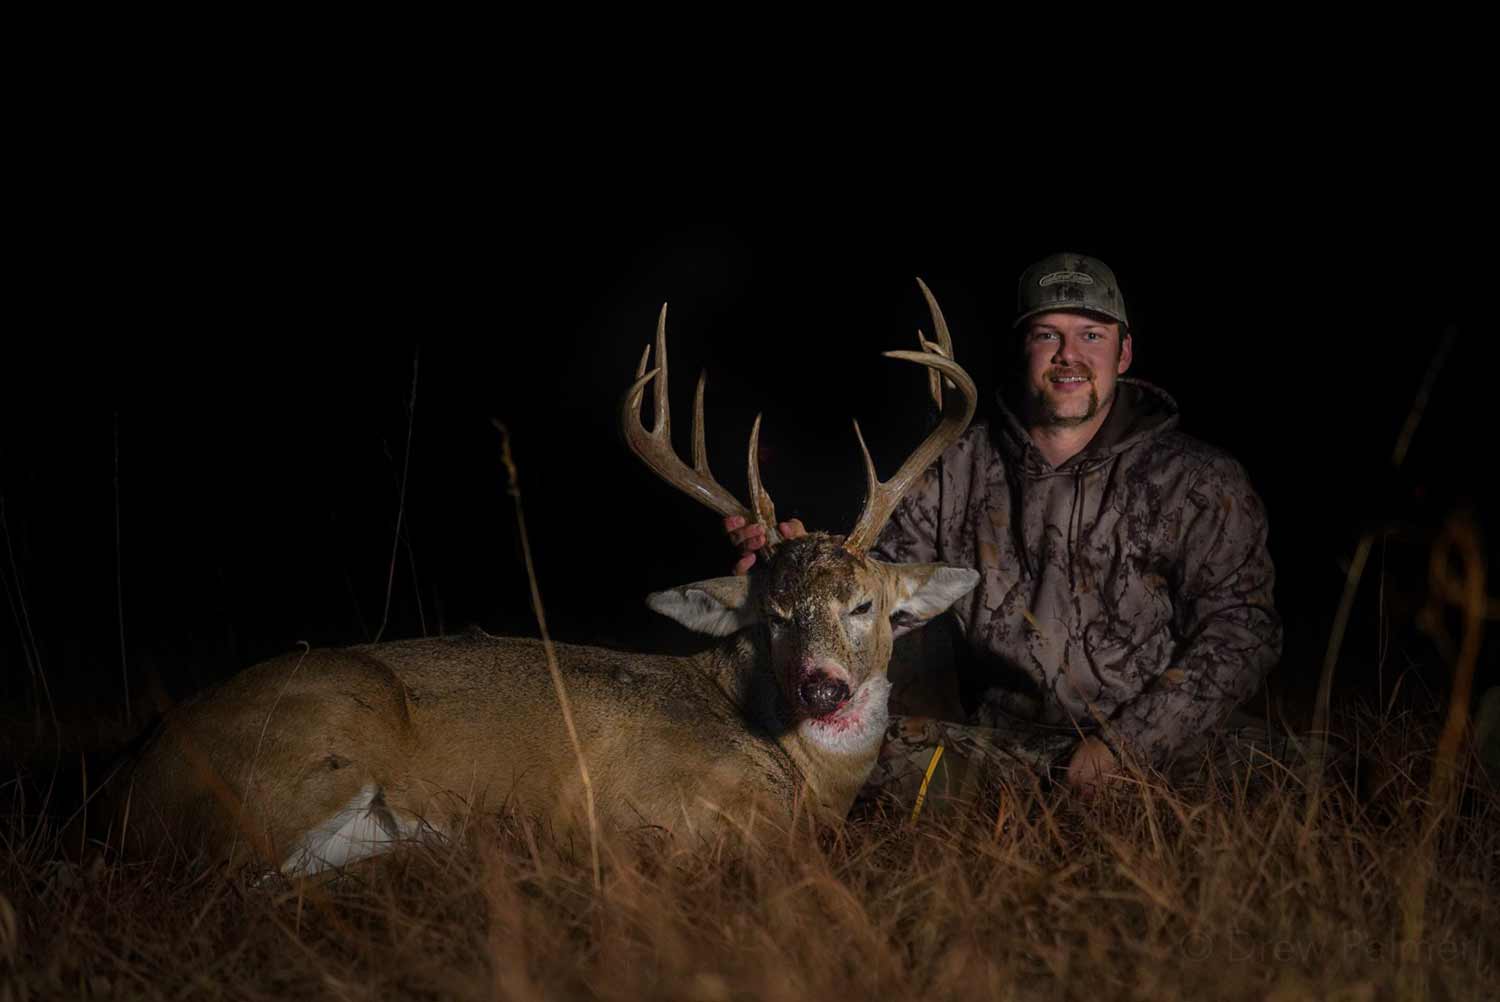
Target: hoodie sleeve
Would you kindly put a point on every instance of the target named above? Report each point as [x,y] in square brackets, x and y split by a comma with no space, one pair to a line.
[1224,614]
[911,536]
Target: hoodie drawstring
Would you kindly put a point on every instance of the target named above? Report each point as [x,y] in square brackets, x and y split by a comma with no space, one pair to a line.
[1016,478]
[1075,526]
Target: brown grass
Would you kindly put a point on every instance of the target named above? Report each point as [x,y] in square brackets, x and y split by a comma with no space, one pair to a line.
[1219,890]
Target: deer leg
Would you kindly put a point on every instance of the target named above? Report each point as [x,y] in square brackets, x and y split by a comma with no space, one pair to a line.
[365,826]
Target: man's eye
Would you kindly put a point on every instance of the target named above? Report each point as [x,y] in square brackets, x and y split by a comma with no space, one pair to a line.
[863,609]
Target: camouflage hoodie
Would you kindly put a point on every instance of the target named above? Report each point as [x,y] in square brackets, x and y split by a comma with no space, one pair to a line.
[1126,592]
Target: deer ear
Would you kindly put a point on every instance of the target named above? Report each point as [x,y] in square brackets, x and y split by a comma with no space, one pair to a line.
[718,606]
[926,590]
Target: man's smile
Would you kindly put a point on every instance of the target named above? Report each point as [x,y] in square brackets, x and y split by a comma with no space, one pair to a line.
[1068,383]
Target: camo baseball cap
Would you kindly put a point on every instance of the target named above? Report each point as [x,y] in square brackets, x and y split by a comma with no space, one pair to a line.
[1069,282]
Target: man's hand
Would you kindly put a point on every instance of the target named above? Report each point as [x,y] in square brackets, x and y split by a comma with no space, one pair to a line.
[750,537]
[1091,766]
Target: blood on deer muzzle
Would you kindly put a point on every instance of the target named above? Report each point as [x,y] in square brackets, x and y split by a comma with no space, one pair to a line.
[822,694]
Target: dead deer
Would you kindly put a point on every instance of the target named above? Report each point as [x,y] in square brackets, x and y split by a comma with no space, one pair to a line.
[315,759]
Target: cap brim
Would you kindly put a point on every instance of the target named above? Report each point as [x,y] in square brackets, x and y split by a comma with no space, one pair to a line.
[1092,311]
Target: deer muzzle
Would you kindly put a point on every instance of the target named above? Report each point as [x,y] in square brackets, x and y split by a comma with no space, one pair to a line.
[821,693]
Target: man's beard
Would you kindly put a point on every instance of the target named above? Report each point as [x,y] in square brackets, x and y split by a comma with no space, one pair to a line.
[1042,411]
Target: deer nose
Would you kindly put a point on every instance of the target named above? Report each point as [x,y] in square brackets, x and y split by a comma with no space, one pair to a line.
[822,694]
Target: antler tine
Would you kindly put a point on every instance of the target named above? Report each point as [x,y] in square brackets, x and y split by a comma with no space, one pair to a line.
[654,447]
[700,448]
[945,340]
[663,423]
[934,381]
[943,346]
[760,500]
[882,498]
[872,479]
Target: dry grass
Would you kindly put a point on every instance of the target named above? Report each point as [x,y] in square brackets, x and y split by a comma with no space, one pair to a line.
[1219,891]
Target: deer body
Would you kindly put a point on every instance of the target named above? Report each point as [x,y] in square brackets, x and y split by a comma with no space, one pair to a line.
[385,741]
[313,760]
[425,730]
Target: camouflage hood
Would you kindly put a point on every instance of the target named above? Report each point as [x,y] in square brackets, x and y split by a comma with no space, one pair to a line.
[1140,412]
[1126,592]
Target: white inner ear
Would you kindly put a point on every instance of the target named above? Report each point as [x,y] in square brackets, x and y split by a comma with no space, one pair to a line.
[718,606]
[935,587]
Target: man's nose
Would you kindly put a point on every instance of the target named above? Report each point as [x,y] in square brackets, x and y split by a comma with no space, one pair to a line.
[1067,351]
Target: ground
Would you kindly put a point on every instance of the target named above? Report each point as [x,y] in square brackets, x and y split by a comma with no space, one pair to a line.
[1253,884]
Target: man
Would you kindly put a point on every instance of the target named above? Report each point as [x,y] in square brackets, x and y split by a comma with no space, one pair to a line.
[1124,607]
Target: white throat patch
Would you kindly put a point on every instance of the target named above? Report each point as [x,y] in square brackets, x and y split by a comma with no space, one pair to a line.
[859,725]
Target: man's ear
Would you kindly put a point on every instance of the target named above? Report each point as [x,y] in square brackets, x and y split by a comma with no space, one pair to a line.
[1127,354]
[718,606]
[926,590]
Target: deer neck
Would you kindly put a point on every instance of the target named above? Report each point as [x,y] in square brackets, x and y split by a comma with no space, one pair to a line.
[834,754]
[837,753]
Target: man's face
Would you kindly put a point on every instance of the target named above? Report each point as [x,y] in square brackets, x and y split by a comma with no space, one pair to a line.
[1072,362]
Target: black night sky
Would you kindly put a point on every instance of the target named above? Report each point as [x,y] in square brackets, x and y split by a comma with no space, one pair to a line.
[242,358]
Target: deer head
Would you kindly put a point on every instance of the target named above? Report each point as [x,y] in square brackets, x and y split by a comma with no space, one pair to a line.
[831,611]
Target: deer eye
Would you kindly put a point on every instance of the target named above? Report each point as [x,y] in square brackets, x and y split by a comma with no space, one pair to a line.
[863,609]
[777,619]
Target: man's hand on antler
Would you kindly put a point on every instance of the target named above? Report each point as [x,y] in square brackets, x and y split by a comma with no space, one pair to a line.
[751,537]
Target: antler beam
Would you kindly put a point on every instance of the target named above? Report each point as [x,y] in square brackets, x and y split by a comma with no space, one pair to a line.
[957,408]
[654,447]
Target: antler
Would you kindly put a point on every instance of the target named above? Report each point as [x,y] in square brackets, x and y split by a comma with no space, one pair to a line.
[958,409]
[654,447]
[944,345]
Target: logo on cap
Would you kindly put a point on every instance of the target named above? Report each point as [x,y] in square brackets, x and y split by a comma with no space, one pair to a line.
[1076,277]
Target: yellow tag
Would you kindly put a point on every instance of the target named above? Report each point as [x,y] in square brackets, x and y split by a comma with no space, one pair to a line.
[916,810]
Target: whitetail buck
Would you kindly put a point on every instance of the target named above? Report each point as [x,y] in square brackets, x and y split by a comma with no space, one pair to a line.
[315,759]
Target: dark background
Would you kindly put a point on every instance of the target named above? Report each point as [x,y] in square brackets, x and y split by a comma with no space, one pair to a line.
[225,371]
